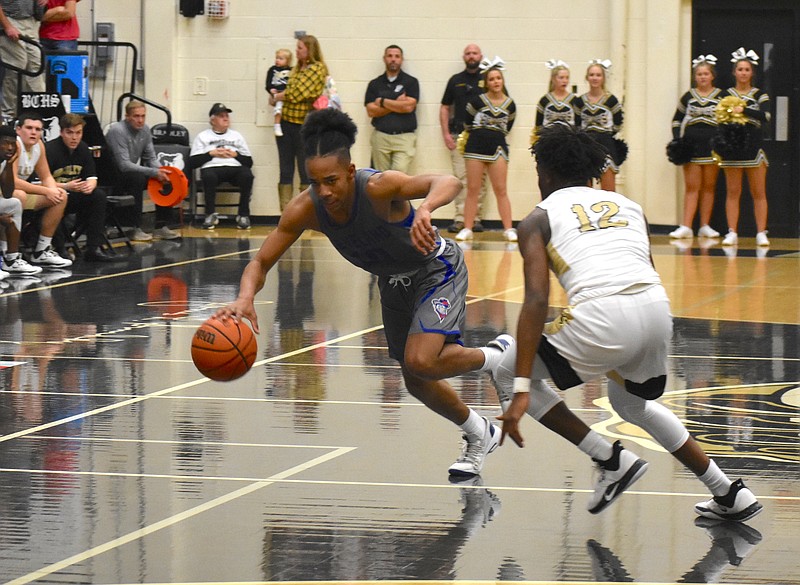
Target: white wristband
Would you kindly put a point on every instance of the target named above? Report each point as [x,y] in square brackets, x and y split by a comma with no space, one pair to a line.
[522,385]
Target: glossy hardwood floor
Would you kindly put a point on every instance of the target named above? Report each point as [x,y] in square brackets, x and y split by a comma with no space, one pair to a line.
[120,463]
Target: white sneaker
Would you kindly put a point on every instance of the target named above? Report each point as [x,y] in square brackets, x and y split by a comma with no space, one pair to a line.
[738,505]
[730,239]
[499,346]
[761,239]
[464,234]
[165,233]
[475,449]
[510,235]
[49,257]
[681,232]
[21,266]
[707,231]
[137,235]
[616,475]
[3,274]
[278,130]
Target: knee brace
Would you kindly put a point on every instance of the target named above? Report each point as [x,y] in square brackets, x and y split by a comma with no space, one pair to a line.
[660,422]
[542,399]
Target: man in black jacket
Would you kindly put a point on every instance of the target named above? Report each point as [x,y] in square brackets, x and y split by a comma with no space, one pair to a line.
[73,168]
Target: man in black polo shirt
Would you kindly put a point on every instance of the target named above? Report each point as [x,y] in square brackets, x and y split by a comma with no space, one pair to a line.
[391,102]
[462,87]
[73,169]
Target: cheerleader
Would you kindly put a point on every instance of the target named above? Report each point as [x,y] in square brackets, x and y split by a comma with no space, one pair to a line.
[601,118]
[694,125]
[751,159]
[559,104]
[490,117]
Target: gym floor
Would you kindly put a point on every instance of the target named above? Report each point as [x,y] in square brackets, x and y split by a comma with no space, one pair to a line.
[120,463]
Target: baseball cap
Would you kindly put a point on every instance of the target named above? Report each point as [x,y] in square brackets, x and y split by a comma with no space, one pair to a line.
[218,108]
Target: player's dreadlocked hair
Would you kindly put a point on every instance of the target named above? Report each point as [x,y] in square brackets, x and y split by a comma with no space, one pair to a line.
[570,154]
[328,132]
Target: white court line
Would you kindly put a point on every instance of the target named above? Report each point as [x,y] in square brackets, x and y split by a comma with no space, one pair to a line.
[167,522]
[165,391]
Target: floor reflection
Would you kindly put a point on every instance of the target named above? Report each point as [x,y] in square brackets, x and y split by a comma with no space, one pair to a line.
[318,465]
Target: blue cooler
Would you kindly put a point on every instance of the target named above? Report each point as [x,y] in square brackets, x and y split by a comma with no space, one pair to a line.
[68,75]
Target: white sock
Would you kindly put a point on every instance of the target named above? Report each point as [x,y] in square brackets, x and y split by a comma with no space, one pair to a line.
[3,247]
[474,424]
[715,480]
[11,256]
[490,357]
[596,447]
[43,243]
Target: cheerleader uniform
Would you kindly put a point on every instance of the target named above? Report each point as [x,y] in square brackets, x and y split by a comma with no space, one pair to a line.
[602,120]
[551,110]
[488,126]
[694,119]
[756,112]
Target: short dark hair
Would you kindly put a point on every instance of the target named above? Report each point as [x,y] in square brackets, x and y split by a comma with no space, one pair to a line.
[328,132]
[7,131]
[570,154]
[393,47]
[29,115]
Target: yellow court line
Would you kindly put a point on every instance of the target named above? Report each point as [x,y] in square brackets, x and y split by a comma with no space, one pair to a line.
[414,582]
[172,520]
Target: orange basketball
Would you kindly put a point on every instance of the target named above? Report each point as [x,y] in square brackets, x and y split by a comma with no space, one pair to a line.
[224,350]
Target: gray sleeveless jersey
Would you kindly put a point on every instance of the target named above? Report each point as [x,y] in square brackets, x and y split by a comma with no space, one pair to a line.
[369,242]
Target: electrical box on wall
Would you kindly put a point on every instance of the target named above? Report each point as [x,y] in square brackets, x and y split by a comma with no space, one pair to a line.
[191,8]
[104,33]
[217,9]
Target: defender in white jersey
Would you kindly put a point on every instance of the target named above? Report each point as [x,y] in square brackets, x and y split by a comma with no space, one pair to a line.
[617,323]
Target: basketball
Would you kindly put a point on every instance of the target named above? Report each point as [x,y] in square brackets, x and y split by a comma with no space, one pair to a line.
[224,350]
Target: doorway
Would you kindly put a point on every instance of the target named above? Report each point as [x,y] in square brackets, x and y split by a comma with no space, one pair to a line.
[772,30]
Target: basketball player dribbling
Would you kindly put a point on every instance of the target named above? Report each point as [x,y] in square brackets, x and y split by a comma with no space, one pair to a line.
[368,217]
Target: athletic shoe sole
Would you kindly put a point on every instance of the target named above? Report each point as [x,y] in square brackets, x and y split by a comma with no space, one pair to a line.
[750,511]
[618,488]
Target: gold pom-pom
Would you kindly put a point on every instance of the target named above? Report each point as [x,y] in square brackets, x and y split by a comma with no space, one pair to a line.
[534,136]
[726,113]
[461,141]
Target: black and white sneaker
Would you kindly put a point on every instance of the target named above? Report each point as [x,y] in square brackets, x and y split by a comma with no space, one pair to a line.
[738,505]
[475,449]
[242,222]
[49,257]
[616,475]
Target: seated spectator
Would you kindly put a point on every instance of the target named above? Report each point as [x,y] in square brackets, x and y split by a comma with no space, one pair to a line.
[73,168]
[35,187]
[10,210]
[222,155]
[131,146]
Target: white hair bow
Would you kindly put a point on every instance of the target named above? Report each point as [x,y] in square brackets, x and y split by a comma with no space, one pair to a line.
[740,54]
[553,63]
[710,59]
[604,63]
[496,63]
